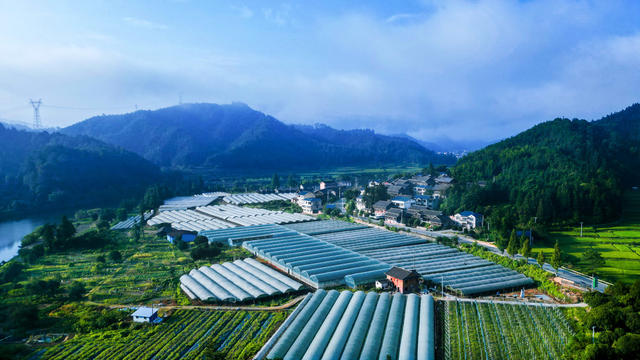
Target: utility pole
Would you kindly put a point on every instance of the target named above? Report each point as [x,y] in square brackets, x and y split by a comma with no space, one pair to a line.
[580,228]
[593,334]
[36,113]
[442,284]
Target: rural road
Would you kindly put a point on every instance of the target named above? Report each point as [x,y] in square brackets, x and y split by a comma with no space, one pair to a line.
[213,307]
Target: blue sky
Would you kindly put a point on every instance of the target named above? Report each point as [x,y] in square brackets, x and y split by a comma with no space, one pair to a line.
[460,69]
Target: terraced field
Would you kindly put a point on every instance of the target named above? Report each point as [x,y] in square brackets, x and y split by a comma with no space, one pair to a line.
[184,335]
[474,330]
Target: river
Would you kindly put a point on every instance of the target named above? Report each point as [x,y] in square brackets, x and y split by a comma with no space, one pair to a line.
[12,232]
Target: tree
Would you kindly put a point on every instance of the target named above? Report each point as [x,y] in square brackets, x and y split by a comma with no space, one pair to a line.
[115,256]
[351,206]
[275,181]
[76,291]
[525,250]
[48,233]
[201,241]
[64,233]
[291,181]
[101,259]
[11,271]
[540,258]
[593,258]
[512,247]
[556,258]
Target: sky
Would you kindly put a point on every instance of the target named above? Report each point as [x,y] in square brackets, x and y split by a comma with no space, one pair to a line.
[481,70]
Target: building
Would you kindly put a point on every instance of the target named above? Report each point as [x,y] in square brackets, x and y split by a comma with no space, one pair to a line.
[380,207]
[184,235]
[384,284]
[361,204]
[440,190]
[404,281]
[394,215]
[467,219]
[310,205]
[403,202]
[429,201]
[422,189]
[326,185]
[145,314]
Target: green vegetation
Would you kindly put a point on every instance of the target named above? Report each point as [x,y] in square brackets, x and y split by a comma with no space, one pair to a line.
[49,172]
[278,205]
[562,172]
[475,330]
[618,244]
[186,334]
[614,317]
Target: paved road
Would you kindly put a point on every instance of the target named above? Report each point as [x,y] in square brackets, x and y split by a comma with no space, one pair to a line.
[582,280]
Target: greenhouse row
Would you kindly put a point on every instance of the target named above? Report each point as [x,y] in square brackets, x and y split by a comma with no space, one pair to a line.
[222,217]
[189,202]
[240,280]
[131,222]
[255,198]
[370,239]
[237,235]
[346,325]
[461,272]
[324,227]
[314,261]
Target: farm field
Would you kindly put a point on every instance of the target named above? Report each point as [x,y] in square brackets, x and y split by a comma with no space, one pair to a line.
[618,243]
[184,335]
[149,270]
[474,330]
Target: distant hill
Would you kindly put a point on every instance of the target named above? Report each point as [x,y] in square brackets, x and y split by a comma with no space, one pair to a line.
[558,171]
[237,137]
[446,145]
[52,171]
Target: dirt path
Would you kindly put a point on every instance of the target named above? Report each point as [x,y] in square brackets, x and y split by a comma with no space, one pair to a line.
[215,307]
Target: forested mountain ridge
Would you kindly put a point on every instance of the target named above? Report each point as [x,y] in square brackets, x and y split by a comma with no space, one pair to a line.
[558,171]
[237,137]
[52,171]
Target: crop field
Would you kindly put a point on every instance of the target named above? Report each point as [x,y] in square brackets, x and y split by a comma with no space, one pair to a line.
[474,330]
[184,335]
[618,243]
[149,270]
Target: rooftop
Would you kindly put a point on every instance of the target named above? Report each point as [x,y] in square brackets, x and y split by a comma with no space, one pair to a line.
[402,274]
[144,312]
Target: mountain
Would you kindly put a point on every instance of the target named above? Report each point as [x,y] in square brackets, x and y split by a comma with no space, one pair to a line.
[443,144]
[558,171]
[236,137]
[46,171]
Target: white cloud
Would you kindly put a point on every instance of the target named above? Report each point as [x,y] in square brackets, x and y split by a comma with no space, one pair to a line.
[143,23]
[243,11]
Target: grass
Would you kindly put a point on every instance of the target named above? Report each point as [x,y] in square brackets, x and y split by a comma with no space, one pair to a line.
[618,243]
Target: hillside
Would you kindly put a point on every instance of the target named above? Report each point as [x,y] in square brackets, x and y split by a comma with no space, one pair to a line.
[236,137]
[52,171]
[558,171]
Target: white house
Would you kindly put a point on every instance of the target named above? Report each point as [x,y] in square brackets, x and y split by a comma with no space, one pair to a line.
[361,205]
[145,314]
[310,205]
[468,219]
[403,202]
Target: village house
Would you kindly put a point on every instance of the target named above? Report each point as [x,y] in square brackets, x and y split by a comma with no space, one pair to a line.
[429,201]
[394,215]
[146,314]
[403,202]
[310,205]
[404,281]
[380,208]
[468,219]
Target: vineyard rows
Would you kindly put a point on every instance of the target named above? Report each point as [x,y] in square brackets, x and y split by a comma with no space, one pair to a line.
[503,331]
[238,334]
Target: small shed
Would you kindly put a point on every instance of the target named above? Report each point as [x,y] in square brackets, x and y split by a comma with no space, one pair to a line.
[145,314]
[405,281]
[184,235]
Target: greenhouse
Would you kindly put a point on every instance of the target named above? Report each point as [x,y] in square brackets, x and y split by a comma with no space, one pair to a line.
[238,281]
[346,325]
[324,227]
[313,261]
[237,235]
[255,198]
[369,239]
[131,222]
